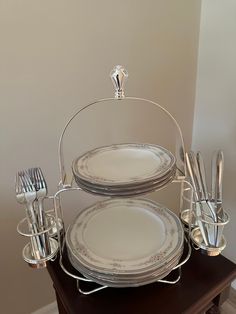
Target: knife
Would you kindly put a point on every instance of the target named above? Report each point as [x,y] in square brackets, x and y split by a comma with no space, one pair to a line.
[191,169]
[217,179]
[220,170]
[213,177]
[212,228]
[205,193]
[202,174]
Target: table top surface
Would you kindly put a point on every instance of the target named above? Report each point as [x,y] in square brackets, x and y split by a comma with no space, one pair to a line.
[202,279]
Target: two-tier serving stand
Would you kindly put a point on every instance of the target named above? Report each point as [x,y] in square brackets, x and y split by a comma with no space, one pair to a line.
[110,106]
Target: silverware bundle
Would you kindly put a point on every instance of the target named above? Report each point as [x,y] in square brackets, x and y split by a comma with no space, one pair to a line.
[31,189]
[209,213]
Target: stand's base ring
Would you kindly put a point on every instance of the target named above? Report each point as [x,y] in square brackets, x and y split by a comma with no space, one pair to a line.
[171,282]
[197,240]
[39,263]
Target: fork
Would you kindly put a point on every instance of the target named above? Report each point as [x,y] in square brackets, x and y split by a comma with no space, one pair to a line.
[40,186]
[21,190]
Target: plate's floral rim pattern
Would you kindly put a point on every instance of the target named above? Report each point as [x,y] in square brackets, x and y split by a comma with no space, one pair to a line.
[131,187]
[81,169]
[118,280]
[173,242]
[125,192]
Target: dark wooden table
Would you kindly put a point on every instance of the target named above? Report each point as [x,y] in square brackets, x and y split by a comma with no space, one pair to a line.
[204,281]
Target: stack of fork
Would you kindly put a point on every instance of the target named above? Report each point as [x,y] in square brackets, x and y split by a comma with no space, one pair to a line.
[31,189]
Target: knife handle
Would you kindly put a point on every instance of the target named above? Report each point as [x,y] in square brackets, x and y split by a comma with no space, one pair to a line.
[220,170]
[189,163]
[202,173]
[213,176]
[217,176]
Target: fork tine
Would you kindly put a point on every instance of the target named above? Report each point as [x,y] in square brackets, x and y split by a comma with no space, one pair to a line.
[22,182]
[32,177]
[28,182]
[36,179]
[41,178]
[26,178]
[17,184]
[31,174]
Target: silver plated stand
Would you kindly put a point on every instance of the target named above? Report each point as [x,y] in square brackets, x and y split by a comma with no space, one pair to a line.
[118,76]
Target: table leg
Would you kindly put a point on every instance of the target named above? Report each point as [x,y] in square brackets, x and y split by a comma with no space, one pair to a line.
[222,297]
[60,306]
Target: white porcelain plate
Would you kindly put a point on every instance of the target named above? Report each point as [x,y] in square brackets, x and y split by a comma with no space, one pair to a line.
[124,164]
[125,236]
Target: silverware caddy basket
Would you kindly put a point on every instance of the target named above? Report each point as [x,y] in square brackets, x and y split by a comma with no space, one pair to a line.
[123,154]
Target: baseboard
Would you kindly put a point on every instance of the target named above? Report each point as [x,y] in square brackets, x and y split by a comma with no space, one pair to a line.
[48,309]
[229,306]
[233,284]
[232,296]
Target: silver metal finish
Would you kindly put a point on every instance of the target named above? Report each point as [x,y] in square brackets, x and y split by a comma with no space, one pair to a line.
[53,231]
[58,209]
[219,182]
[40,186]
[213,176]
[196,237]
[25,194]
[205,193]
[220,169]
[172,282]
[23,230]
[208,208]
[187,206]
[187,216]
[41,262]
[210,222]
[89,291]
[80,278]
[36,253]
[187,256]
[218,191]
[118,76]
[219,227]
[191,169]
[179,154]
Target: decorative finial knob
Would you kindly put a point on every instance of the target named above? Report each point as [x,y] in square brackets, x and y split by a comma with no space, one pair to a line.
[118,76]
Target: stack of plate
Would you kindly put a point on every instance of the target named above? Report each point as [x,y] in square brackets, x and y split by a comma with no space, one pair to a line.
[125,242]
[124,169]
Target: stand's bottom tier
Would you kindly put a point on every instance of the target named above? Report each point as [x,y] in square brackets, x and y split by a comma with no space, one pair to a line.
[125,242]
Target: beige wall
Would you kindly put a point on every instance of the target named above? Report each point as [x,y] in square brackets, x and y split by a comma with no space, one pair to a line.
[55,56]
[215,112]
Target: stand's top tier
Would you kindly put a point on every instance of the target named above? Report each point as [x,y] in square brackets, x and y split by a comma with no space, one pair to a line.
[117,122]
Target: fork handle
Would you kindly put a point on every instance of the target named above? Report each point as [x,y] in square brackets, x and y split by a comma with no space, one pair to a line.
[31,214]
[41,214]
[34,244]
[33,226]
[42,221]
